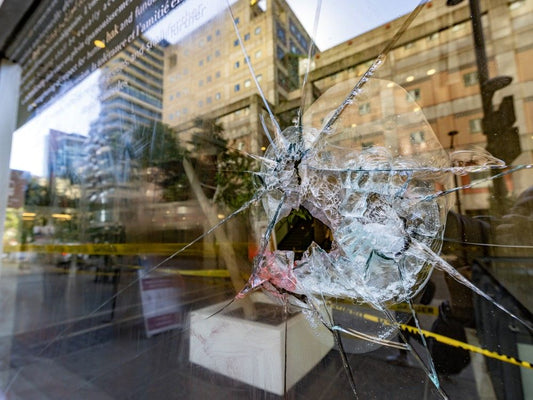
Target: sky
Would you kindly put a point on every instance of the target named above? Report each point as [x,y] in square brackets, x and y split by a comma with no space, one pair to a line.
[339,21]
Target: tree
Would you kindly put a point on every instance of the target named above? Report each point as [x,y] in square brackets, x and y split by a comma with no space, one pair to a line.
[160,154]
[232,187]
[230,168]
[36,194]
[216,175]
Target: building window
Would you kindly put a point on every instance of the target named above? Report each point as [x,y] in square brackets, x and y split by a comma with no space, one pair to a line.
[471,78]
[171,97]
[237,64]
[281,33]
[178,94]
[208,100]
[417,137]
[294,48]
[292,27]
[236,42]
[208,78]
[217,53]
[297,34]
[172,60]
[433,36]
[475,125]
[258,54]
[185,111]
[513,5]
[246,37]
[237,20]
[200,103]
[364,109]
[413,95]
[201,83]
[209,38]
[247,83]
[217,74]
[283,81]
[280,53]
[201,62]
[208,58]
[258,30]
[217,32]
[458,27]
[237,88]
[217,96]
[259,78]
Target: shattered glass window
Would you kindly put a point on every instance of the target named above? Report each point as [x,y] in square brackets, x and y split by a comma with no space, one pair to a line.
[289,218]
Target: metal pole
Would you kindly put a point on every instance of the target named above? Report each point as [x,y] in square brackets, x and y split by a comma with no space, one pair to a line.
[452,134]
[499,190]
[481,56]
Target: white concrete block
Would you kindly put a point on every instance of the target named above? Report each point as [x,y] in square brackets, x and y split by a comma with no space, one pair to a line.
[253,352]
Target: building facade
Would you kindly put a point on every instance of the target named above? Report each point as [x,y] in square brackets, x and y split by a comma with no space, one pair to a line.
[434,62]
[131,100]
[207,77]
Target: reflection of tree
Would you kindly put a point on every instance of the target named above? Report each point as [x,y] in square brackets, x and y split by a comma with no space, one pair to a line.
[160,156]
[291,63]
[221,168]
[36,194]
[228,186]
[11,226]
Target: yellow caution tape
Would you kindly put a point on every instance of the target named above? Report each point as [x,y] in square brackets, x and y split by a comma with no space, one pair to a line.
[419,308]
[169,248]
[106,249]
[205,273]
[400,307]
[438,338]
[114,248]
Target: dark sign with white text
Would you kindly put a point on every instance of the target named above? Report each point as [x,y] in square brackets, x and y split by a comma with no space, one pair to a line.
[66,40]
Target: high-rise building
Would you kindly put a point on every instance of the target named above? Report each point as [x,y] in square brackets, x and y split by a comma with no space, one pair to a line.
[131,89]
[434,61]
[207,76]
[66,152]
[131,94]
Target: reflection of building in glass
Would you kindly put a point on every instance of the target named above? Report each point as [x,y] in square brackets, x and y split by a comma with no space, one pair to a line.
[131,90]
[435,62]
[17,184]
[66,152]
[206,75]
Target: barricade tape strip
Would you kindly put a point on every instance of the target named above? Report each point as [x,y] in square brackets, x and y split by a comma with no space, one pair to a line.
[440,338]
[166,248]
[111,248]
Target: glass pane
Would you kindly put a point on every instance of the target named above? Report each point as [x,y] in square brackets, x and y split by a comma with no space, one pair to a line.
[265,199]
